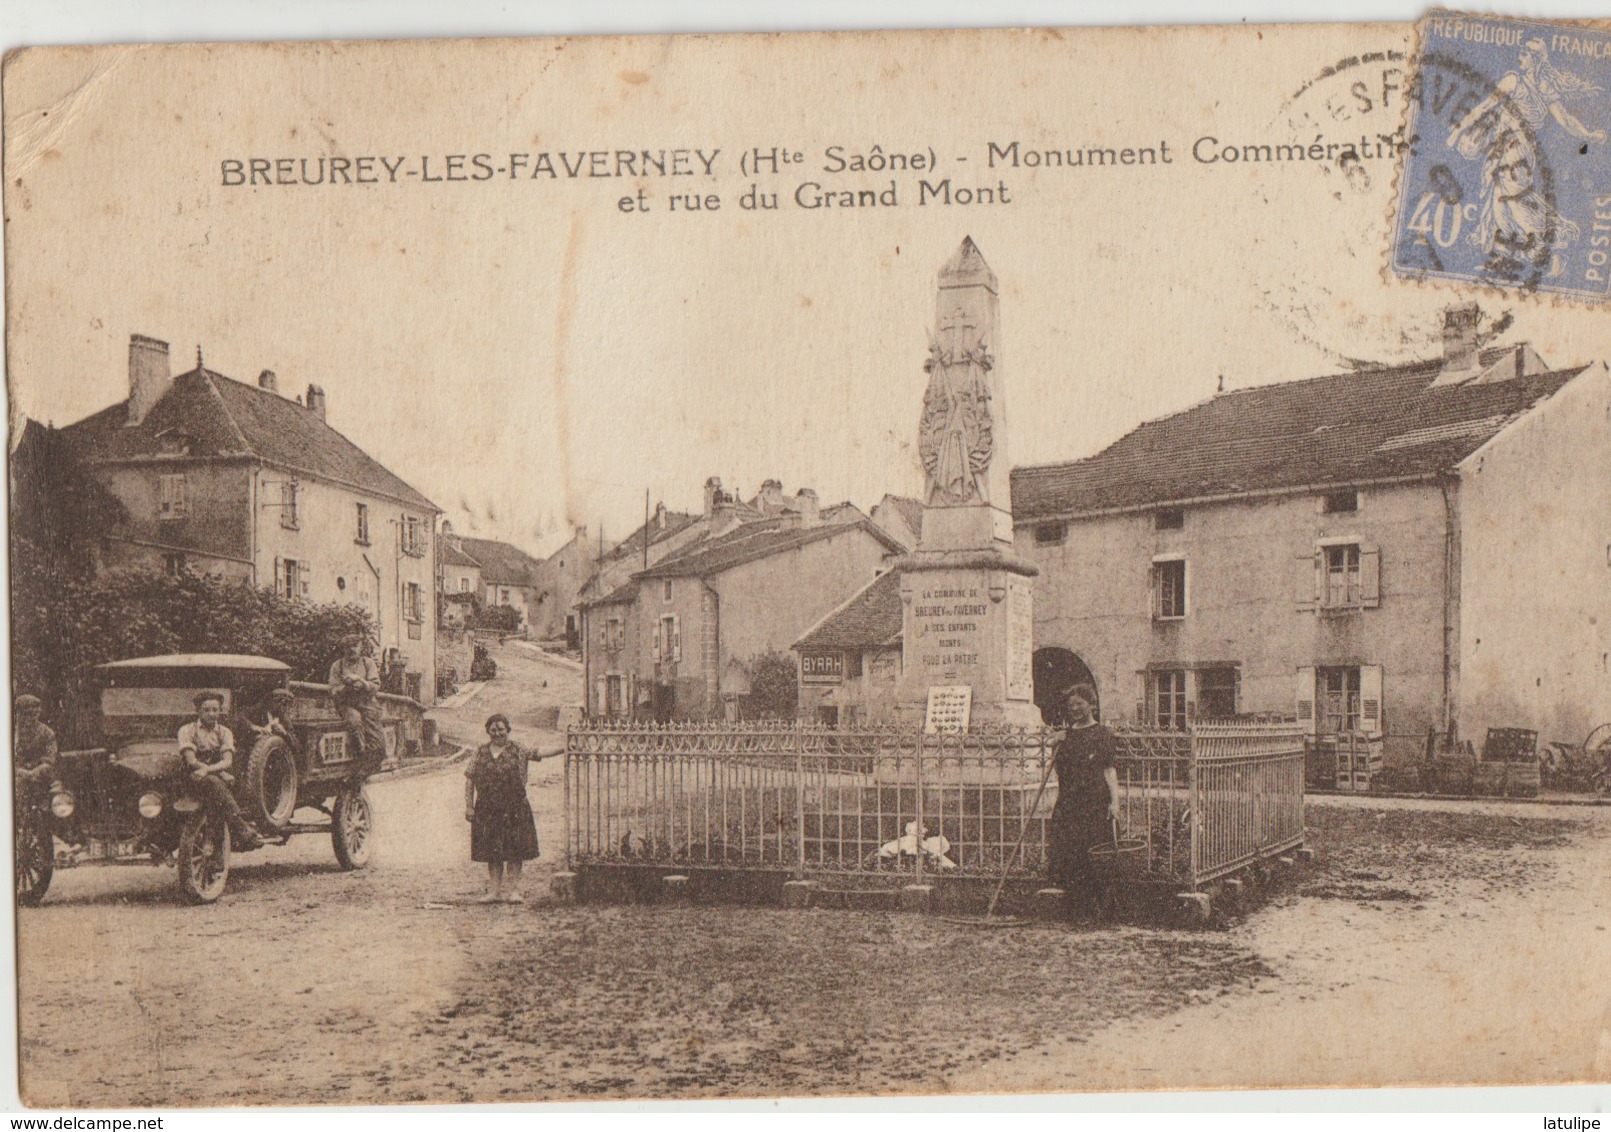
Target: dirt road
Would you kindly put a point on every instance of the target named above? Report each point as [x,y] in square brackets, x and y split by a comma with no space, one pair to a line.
[1433,944]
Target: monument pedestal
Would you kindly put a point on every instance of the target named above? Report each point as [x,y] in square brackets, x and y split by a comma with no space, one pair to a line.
[968,619]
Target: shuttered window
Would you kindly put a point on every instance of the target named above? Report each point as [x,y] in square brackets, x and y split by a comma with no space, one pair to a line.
[1339,576]
[173,497]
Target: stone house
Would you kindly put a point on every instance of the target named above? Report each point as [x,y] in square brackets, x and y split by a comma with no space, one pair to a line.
[850,661]
[508,575]
[240,481]
[668,532]
[678,640]
[560,580]
[1411,550]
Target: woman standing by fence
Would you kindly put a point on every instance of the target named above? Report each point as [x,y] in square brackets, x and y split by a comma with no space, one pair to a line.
[503,832]
[1087,802]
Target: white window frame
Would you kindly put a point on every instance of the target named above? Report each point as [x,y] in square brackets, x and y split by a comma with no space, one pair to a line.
[1155,578]
[413,602]
[361,537]
[1366,590]
[291,577]
[173,495]
[1180,707]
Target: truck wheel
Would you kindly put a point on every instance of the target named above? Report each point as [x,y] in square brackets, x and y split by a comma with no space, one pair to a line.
[36,860]
[352,827]
[271,783]
[203,857]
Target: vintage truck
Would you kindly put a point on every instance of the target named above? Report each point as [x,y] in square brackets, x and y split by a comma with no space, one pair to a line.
[132,800]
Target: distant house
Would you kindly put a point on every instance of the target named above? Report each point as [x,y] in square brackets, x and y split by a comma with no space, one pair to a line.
[461,573]
[678,639]
[850,661]
[508,574]
[560,581]
[669,532]
[240,481]
[1413,551]
[901,516]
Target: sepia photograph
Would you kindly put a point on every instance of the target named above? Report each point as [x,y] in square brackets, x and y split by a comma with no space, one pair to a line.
[814,565]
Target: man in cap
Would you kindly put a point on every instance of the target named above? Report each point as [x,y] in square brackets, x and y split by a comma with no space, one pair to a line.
[354,683]
[33,750]
[208,748]
[33,762]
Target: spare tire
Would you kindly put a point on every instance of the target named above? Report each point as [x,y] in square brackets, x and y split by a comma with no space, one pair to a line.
[271,784]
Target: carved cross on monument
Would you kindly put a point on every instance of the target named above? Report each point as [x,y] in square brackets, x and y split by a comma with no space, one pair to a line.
[957,328]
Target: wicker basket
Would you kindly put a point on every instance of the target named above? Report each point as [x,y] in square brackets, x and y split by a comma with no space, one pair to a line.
[1124,859]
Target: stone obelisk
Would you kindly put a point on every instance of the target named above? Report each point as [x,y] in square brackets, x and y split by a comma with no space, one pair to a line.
[968,616]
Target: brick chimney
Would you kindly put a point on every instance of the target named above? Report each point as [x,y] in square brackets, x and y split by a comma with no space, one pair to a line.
[659,516]
[805,501]
[771,500]
[316,400]
[713,495]
[269,380]
[149,376]
[1460,337]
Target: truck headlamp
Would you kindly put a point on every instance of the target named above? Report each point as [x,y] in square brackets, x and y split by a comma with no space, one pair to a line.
[150,805]
[61,804]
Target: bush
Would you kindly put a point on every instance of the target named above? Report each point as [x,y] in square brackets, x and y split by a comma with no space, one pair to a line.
[499,618]
[64,628]
[774,687]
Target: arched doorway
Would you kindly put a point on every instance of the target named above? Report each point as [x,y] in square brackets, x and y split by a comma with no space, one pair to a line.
[1056,671]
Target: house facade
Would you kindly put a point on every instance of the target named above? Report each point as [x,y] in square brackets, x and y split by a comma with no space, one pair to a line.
[679,639]
[240,481]
[560,579]
[850,662]
[1349,551]
[508,575]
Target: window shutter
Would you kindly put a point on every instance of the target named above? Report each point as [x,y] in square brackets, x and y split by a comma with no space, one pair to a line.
[676,638]
[1306,578]
[659,637]
[1370,577]
[1306,700]
[598,698]
[1141,713]
[1370,698]
[279,576]
[302,573]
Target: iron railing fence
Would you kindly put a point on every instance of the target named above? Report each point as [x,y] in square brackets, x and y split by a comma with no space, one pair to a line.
[870,802]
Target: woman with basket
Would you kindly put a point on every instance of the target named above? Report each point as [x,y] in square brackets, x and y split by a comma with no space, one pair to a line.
[1087,803]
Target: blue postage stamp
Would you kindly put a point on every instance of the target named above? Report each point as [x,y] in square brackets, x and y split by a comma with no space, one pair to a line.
[1506,176]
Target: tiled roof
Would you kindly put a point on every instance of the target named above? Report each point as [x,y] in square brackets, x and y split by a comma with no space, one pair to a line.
[207,414]
[676,522]
[1341,429]
[501,564]
[870,619]
[453,556]
[758,539]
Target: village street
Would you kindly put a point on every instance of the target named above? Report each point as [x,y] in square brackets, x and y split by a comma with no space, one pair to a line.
[1432,941]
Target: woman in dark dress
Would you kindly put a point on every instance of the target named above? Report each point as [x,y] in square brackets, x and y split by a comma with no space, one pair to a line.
[503,833]
[1087,802]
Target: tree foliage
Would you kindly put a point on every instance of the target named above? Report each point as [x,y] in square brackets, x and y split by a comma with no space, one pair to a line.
[502,618]
[774,687]
[62,630]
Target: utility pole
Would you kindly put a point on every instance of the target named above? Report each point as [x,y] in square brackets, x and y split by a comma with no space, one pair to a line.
[645,528]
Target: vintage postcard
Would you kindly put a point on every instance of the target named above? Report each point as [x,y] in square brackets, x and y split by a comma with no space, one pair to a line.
[810,565]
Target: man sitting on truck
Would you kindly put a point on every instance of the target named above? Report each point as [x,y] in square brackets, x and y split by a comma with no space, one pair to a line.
[208,748]
[271,718]
[354,682]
